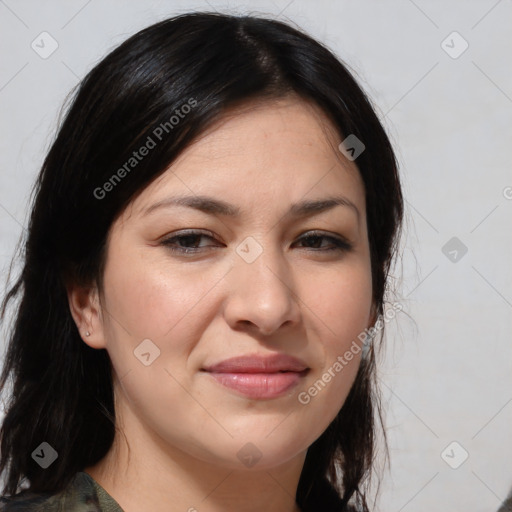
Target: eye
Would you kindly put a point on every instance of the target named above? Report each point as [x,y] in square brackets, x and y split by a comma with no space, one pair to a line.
[181,243]
[316,238]
[187,242]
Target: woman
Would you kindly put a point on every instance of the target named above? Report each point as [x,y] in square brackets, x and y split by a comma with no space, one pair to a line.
[208,251]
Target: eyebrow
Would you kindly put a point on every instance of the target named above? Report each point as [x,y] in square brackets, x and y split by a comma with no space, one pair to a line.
[214,206]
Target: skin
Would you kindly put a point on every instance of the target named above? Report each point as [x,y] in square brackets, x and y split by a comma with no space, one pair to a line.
[183,428]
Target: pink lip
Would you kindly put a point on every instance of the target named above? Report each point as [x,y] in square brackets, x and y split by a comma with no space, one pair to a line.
[259,376]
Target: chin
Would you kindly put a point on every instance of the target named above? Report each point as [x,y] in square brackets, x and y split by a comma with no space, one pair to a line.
[261,451]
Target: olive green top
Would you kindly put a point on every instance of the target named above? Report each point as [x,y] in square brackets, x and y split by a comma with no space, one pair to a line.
[83,494]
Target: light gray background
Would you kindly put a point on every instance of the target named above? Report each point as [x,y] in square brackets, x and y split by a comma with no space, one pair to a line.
[447,373]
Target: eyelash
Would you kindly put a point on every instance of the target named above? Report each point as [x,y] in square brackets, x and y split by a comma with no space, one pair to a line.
[340,245]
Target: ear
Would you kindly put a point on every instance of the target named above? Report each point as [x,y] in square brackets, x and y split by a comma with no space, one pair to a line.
[85,308]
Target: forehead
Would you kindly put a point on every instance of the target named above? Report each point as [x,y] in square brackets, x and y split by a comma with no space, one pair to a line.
[287,124]
[262,154]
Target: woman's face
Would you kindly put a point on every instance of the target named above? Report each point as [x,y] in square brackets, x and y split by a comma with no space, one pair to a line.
[251,285]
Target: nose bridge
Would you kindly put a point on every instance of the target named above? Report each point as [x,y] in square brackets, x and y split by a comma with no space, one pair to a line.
[260,263]
[260,289]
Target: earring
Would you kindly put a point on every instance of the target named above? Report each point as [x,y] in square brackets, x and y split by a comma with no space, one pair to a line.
[87,333]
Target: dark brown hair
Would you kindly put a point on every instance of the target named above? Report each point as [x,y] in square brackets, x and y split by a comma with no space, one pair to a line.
[61,388]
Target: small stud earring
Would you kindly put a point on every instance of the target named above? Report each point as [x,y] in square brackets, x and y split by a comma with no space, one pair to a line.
[87,333]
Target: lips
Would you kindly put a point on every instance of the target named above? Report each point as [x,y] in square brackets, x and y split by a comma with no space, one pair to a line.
[259,364]
[259,377]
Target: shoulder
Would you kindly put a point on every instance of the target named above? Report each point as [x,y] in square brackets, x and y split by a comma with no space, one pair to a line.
[79,496]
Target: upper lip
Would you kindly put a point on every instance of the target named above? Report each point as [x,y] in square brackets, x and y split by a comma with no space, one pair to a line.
[259,364]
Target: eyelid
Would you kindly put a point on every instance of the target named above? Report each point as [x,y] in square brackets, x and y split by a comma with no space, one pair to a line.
[166,240]
[192,231]
[327,234]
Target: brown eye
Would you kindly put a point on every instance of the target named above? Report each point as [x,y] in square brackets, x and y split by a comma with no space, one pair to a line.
[186,242]
[336,243]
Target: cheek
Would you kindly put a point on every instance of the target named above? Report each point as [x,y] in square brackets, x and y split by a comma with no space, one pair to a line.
[341,301]
[153,299]
[340,308]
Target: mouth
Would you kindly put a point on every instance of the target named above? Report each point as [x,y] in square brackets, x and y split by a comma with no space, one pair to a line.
[259,377]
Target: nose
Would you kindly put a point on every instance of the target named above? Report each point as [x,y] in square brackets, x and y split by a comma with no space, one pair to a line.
[261,295]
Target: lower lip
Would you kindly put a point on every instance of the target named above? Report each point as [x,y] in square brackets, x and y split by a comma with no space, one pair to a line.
[260,385]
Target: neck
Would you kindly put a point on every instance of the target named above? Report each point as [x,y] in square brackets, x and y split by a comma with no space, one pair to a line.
[163,478]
